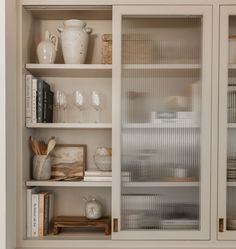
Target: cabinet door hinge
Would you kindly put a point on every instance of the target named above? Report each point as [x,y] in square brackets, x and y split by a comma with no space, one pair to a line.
[115,225]
[221,225]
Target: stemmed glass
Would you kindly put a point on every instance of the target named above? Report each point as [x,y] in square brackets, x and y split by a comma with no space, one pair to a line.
[96,103]
[80,101]
[56,101]
[63,105]
[60,102]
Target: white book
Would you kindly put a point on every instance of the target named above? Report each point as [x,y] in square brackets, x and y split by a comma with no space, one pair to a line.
[35,214]
[30,191]
[98,173]
[28,97]
[97,178]
[34,101]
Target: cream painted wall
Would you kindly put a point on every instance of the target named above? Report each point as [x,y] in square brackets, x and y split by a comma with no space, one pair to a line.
[10,122]
[2,128]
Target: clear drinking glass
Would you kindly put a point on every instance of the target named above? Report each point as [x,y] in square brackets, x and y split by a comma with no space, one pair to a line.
[80,101]
[96,103]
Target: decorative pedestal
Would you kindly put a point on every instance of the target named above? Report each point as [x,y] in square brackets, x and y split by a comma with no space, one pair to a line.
[81,221]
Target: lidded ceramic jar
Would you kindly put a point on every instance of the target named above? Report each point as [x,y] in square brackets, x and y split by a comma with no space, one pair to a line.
[93,209]
[74,41]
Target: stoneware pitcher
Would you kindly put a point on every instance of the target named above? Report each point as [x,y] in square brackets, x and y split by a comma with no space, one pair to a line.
[47,49]
[74,41]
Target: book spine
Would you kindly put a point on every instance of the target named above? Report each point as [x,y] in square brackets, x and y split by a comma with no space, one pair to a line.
[97,178]
[98,173]
[45,105]
[40,101]
[41,214]
[50,107]
[46,215]
[51,211]
[28,212]
[28,97]
[34,215]
[34,102]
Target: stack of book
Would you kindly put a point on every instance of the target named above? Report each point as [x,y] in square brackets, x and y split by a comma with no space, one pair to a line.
[98,176]
[177,118]
[39,212]
[38,100]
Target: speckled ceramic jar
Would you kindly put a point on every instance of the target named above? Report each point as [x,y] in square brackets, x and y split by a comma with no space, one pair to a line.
[74,41]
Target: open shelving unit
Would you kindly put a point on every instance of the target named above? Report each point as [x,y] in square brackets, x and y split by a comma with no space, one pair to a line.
[88,77]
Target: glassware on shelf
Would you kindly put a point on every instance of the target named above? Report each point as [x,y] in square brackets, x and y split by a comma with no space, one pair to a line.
[80,101]
[63,106]
[60,103]
[96,100]
[56,106]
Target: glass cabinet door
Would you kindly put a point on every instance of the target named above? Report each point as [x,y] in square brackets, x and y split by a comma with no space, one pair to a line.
[227,125]
[161,122]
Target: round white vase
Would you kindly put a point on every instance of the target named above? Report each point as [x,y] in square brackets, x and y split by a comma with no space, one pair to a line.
[74,41]
[93,209]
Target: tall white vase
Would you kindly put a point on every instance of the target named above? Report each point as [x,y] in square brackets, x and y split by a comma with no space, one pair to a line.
[74,41]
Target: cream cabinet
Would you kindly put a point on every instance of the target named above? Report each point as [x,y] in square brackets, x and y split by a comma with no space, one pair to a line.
[168,117]
[161,139]
[226,166]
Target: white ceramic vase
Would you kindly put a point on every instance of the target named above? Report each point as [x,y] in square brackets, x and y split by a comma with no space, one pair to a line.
[47,49]
[74,41]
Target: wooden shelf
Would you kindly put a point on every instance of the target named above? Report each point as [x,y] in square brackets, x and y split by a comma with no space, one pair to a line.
[70,70]
[160,184]
[73,234]
[161,66]
[157,126]
[33,183]
[70,125]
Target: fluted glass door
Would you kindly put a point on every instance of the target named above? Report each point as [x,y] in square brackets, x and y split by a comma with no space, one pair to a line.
[162,122]
[227,125]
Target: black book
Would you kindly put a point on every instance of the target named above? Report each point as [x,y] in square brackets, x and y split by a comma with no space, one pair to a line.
[50,107]
[42,86]
[47,106]
[46,215]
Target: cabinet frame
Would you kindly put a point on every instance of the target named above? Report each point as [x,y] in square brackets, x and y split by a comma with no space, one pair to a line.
[206,13]
[225,12]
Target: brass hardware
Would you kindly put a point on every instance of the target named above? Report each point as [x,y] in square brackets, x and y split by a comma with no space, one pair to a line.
[221,225]
[115,225]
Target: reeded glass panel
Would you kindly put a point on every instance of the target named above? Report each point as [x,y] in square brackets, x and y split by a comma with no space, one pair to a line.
[161,126]
[231,119]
